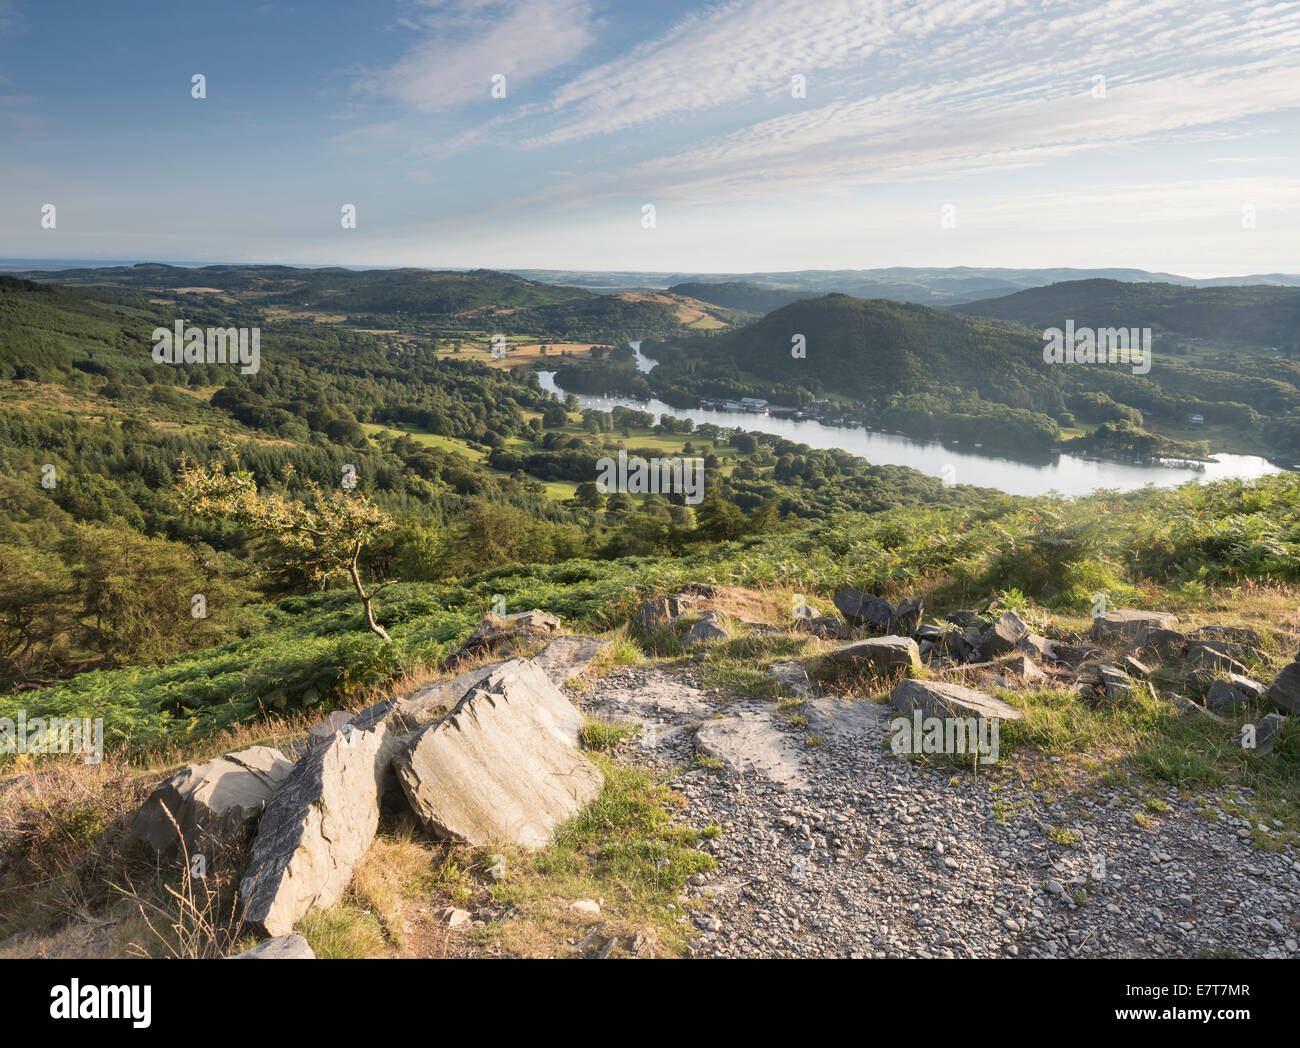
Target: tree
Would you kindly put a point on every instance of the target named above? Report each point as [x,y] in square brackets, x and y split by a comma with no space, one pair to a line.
[324,537]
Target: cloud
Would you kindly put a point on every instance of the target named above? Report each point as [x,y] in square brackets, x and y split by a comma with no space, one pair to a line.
[469,41]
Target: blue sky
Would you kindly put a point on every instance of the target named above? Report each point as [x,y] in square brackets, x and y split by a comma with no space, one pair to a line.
[1187,161]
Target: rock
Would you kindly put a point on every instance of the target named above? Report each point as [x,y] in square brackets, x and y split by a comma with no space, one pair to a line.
[1232,634]
[316,829]
[215,804]
[1284,692]
[863,609]
[929,632]
[1006,632]
[878,655]
[1037,647]
[1128,623]
[1135,667]
[1161,645]
[1266,733]
[1025,667]
[1184,703]
[845,718]
[826,626]
[335,722]
[748,743]
[966,617]
[1224,698]
[707,631]
[657,613]
[452,917]
[503,765]
[1115,682]
[281,948]
[568,657]
[1233,692]
[791,677]
[937,699]
[907,616]
[506,634]
[1205,657]
[588,906]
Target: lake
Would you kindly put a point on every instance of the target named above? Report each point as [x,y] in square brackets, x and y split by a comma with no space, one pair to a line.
[1020,474]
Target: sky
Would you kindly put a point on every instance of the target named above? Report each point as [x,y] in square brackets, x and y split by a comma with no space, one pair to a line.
[765,135]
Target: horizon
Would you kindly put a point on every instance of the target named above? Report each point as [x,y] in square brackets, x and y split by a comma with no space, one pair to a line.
[55,265]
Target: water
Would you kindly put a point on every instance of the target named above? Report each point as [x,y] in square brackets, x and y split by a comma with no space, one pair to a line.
[1022,474]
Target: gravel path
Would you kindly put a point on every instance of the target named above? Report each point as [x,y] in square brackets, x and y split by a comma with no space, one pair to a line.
[857,853]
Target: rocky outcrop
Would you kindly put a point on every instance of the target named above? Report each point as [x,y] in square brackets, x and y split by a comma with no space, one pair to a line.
[212,806]
[316,829]
[567,657]
[503,765]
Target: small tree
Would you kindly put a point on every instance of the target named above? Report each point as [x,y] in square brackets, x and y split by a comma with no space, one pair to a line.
[323,536]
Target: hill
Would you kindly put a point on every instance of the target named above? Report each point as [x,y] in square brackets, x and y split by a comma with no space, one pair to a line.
[1236,316]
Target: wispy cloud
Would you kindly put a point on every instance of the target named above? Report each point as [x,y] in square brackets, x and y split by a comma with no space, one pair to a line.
[466,42]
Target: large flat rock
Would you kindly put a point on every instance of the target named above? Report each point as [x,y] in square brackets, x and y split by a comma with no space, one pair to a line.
[503,765]
[212,806]
[940,699]
[748,743]
[316,829]
[845,718]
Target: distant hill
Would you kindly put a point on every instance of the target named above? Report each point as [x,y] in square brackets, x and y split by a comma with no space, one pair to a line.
[939,286]
[740,295]
[1258,315]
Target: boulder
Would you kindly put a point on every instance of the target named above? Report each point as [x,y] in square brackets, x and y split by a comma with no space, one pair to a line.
[657,613]
[1233,693]
[502,766]
[1024,666]
[214,804]
[1284,692]
[791,677]
[707,631]
[1007,631]
[907,616]
[316,829]
[939,699]
[1127,623]
[863,609]
[1037,647]
[878,655]
[1159,645]
[281,948]
[1266,733]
